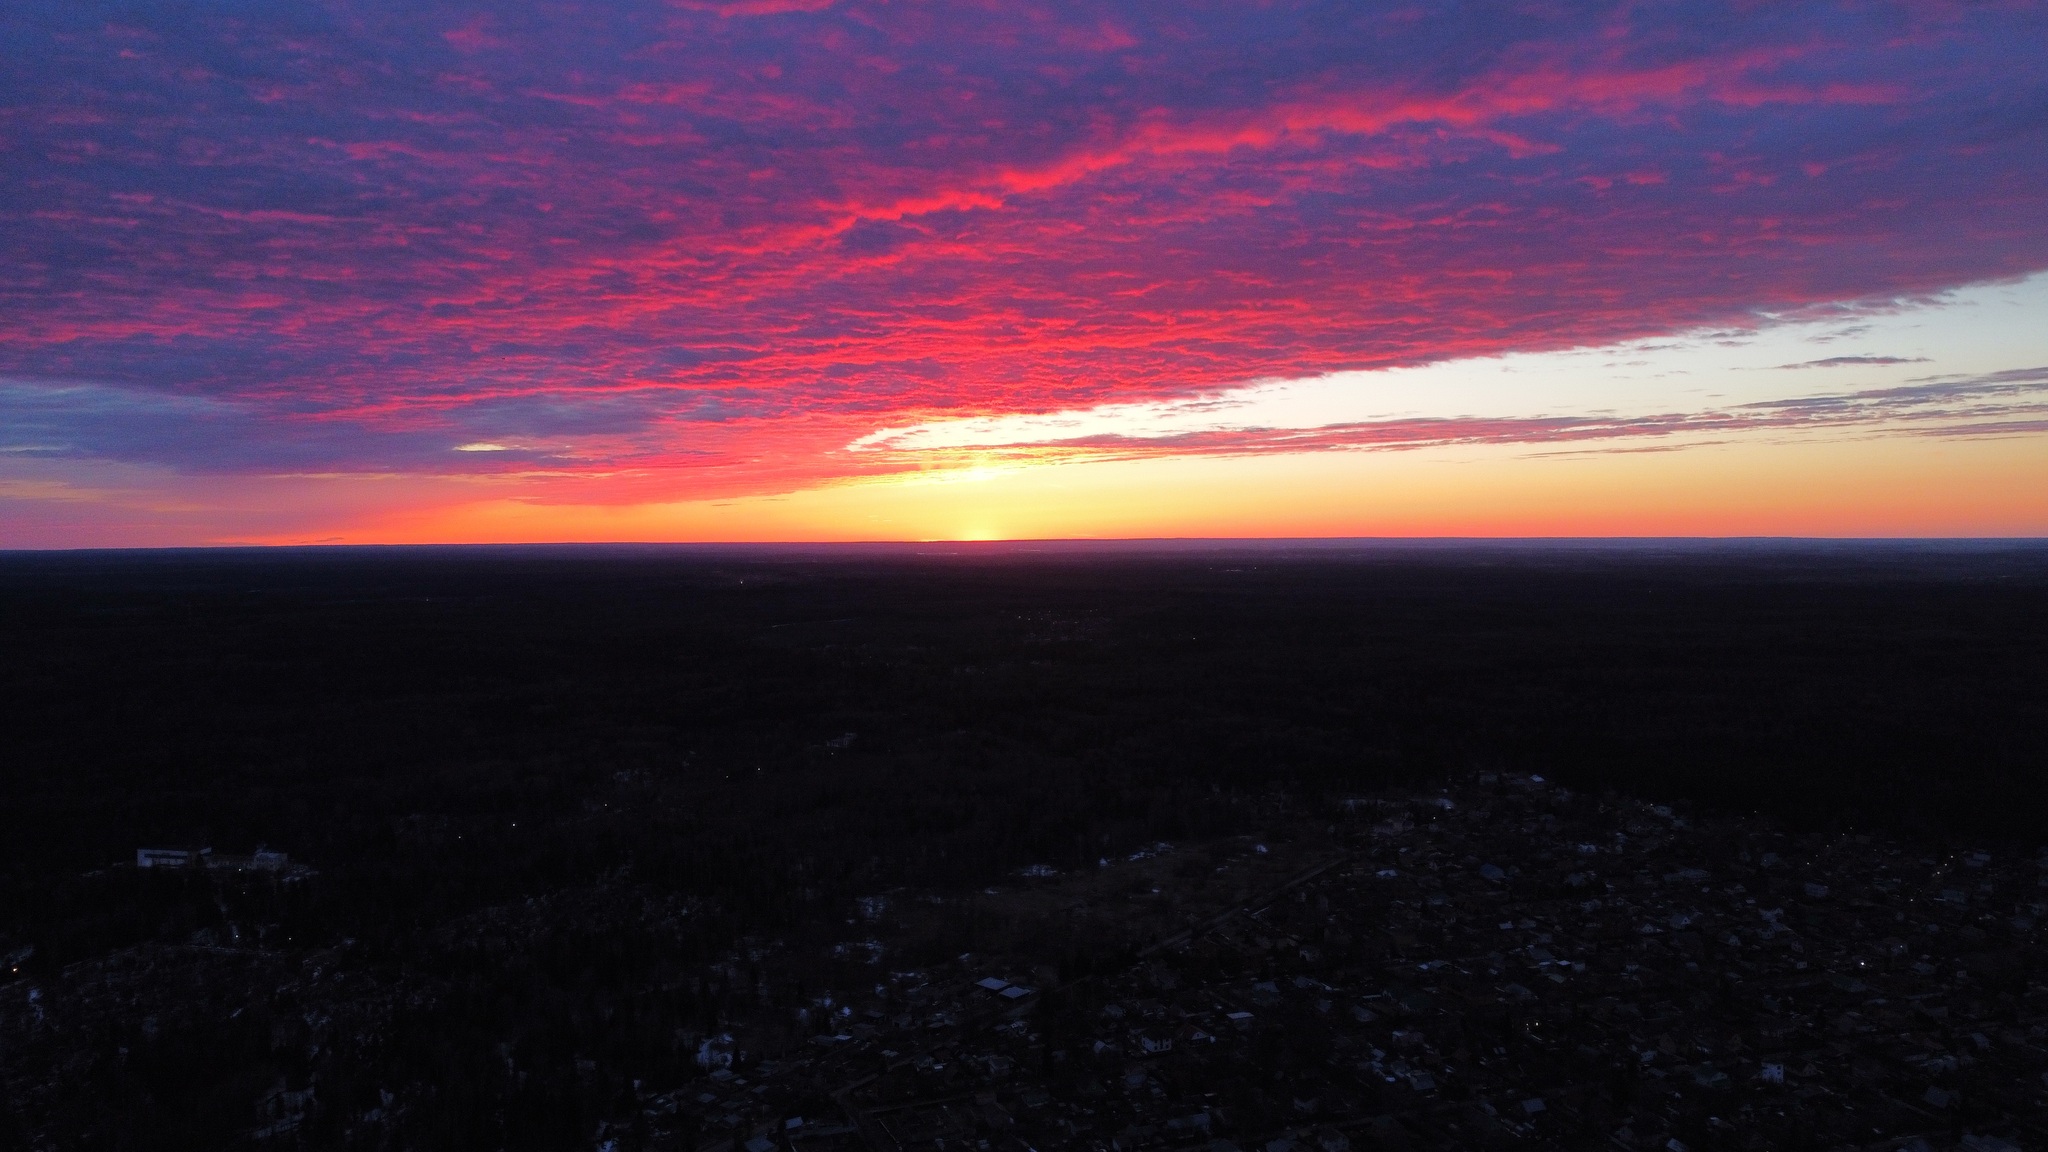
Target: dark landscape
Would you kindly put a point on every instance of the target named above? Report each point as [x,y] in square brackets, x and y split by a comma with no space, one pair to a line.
[1290,846]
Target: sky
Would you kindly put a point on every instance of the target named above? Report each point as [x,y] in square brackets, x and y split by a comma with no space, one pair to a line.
[817,270]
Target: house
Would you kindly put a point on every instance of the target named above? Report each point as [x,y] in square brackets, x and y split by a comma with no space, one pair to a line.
[172,857]
[264,860]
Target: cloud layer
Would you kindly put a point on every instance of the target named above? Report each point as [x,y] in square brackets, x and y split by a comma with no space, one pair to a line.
[1997,404]
[695,247]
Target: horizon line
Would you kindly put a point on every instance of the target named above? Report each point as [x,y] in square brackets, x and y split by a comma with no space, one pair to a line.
[1068,543]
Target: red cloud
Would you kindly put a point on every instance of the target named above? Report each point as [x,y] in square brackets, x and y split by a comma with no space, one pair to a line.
[667,237]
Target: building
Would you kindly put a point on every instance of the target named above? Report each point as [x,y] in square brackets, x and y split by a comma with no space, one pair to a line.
[173,857]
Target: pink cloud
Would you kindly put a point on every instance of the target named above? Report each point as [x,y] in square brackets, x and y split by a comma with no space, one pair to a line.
[707,243]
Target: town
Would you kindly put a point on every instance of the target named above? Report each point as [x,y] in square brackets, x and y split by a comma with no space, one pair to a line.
[1496,962]
[1502,963]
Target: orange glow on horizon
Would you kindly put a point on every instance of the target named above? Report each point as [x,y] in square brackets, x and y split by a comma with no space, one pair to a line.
[1872,487]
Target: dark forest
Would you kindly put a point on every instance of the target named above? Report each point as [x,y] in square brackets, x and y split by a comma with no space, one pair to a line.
[670,752]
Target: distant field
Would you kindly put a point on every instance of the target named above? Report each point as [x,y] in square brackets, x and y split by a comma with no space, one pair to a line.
[298,697]
[944,709]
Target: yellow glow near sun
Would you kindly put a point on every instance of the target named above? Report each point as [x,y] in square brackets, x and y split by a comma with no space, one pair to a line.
[943,471]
